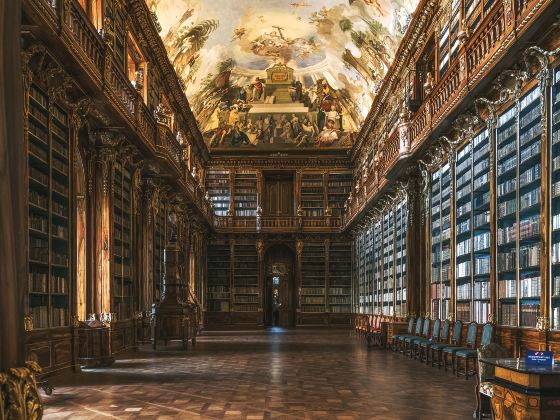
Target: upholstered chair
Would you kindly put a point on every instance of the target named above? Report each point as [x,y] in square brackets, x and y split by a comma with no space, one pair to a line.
[424,345]
[469,355]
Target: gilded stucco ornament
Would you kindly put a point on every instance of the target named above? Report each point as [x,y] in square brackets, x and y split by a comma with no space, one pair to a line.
[543,323]
[19,396]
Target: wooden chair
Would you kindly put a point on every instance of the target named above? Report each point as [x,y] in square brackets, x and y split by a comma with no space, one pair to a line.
[417,330]
[455,342]
[375,339]
[436,346]
[470,354]
[395,338]
[413,343]
[451,351]
[424,345]
[409,342]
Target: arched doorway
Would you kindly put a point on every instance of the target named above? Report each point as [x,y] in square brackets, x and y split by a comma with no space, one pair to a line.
[279,287]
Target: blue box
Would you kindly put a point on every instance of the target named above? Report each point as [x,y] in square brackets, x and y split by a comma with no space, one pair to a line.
[540,358]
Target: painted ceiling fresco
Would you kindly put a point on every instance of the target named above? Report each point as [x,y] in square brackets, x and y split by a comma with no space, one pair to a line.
[280,74]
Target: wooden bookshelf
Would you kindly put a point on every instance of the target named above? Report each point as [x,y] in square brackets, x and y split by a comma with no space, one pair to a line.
[312,194]
[159,246]
[472,230]
[122,290]
[245,278]
[49,216]
[218,295]
[518,171]
[555,204]
[374,270]
[440,228]
[388,286]
[340,278]
[218,187]
[313,279]
[338,188]
[401,229]
[245,194]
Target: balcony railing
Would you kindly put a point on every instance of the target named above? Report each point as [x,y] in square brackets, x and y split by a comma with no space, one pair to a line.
[277,224]
[94,55]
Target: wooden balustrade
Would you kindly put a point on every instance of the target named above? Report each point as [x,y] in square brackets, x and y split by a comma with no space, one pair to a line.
[123,90]
[85,35]
[445,91]
[486,38]
[281,223]
[146,122]
[390,152]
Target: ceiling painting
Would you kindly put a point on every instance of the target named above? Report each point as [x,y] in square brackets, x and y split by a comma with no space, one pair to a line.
[281,74]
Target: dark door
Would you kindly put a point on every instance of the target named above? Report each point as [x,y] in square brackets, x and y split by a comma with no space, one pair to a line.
[278,194]
[279,305]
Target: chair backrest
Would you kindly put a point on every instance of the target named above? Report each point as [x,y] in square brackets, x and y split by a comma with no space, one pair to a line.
[426,329]
[487,332]
[410,325]
[418,326]
[471,334]
[445,331]
[492,350]
[457,330]
[435,330]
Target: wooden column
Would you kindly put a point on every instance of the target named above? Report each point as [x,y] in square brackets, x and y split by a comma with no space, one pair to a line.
[327,271]
[103,158]
[543,320]
[491,126]
[13,190]
[261,273]
[299,252]
[414,272]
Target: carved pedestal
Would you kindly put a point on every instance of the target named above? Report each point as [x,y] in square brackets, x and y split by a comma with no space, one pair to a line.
[172,318]
[95,344]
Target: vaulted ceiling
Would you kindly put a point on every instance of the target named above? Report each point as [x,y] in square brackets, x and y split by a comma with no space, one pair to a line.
[220,47]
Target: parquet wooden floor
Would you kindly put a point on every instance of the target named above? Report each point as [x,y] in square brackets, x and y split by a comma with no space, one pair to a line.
[280,374]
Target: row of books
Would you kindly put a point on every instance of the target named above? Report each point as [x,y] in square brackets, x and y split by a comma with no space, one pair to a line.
[313,299]
[218,306]
[530,287]
[246,299]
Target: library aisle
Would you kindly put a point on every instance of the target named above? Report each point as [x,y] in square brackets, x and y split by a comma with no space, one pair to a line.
[276,373]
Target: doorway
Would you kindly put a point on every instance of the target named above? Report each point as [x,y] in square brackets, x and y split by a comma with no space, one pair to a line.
[279,301]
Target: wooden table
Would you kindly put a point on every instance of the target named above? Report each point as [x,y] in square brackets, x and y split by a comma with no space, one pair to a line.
[525,391]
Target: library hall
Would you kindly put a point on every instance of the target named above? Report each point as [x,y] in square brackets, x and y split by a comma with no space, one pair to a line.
[280,209]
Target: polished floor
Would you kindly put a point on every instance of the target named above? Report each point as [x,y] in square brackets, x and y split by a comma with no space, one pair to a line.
[276,374]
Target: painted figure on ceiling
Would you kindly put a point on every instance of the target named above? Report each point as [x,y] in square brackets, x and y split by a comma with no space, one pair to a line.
[258,89]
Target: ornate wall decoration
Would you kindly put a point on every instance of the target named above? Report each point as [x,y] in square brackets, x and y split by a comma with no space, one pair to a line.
[19,396]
